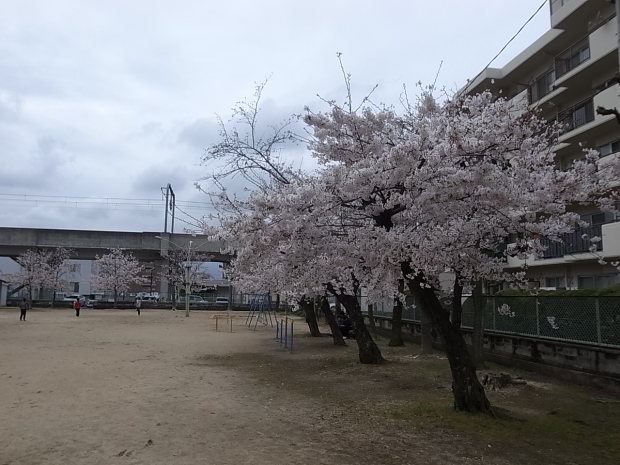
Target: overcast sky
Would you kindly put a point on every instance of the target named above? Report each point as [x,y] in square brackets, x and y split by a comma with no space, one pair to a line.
[116,99]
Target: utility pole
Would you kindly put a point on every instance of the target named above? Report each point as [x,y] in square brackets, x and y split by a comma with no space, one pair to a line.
[618,31]
[169,208]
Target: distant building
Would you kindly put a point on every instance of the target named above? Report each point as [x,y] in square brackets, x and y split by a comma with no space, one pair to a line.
[4,287]
[567,73]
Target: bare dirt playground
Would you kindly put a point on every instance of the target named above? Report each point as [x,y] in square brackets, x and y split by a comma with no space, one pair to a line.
[110,387]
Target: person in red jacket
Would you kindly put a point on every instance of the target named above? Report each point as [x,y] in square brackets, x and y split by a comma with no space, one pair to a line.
[77,305]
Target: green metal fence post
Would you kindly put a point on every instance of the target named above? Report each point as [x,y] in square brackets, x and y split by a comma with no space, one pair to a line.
[537,317]
[494,310]
[598,320]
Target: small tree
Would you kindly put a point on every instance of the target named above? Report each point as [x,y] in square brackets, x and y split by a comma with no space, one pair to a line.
[116,271]
[33,273]
[174,271]
[57,270]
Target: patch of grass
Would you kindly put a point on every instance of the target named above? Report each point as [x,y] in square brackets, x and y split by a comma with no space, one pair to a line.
[544,421]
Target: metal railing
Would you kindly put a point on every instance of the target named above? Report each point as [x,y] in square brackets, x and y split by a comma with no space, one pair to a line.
[579,319]
[575,242]
[577,115]
[572,57]
[541,86]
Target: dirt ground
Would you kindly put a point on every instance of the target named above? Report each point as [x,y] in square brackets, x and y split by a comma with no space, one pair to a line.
[110,387]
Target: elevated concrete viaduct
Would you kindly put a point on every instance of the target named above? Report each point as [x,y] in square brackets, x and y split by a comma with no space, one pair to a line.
[145,246]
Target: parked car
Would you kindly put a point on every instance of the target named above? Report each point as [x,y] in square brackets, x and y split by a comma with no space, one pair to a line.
[193,299]
[150,298]
[73,298]
[221,300]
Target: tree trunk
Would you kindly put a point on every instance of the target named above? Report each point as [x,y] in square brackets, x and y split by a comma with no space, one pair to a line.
[332,322]
[277,303]
[478,326]
[313,324]
[368,351]
[468,393]
[115,297]
[396,339]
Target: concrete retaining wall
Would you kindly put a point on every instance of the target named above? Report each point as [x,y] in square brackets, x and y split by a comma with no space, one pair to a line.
[580,363]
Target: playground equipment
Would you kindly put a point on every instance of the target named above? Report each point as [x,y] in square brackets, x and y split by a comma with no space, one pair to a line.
[260,308]
[221,316]
[284,335]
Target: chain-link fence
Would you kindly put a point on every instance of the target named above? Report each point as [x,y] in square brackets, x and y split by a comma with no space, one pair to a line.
[582,319]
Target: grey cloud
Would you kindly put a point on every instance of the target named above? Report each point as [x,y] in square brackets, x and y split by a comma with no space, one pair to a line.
[200,134]
[10,106]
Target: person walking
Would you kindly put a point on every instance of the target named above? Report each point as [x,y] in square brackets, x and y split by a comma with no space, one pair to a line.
[77,305]
[138,304]
[23,307]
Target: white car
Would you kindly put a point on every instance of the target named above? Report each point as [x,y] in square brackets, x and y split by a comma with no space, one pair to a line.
[193,299]
[221,300]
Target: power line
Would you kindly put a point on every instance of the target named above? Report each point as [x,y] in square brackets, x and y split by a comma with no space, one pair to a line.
[507,43]
[187,214]
[191,204]
[187,223]
[95,203]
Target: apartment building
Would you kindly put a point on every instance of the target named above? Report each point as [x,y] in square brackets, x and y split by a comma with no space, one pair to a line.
[568,73]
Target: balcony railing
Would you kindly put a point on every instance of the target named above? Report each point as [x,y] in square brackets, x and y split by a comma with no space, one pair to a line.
[542,86]
[577,116]
[573,57]
[575,242]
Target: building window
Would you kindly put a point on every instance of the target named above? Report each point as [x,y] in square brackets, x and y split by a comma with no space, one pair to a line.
[555,281]
[599,281]
[608,149]
[75,287]
[573,57]
[542,86]
[598,218]
[74,267]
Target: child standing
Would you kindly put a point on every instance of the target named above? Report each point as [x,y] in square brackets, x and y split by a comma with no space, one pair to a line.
[77,305]
[23,306]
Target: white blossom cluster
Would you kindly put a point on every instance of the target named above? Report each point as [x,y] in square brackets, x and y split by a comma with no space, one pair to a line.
[42,269]
[116,271]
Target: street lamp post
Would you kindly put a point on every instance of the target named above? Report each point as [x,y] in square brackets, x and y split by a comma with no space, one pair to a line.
[188,286]
[151,274]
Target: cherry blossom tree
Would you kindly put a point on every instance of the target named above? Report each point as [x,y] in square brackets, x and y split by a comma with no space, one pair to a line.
[249,150]
[42,268]
[288,242]
[115,272]
[441,187]
[57,270]
[33,273]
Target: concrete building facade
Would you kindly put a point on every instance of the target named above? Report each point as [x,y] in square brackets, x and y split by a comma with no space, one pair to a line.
[567,74]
